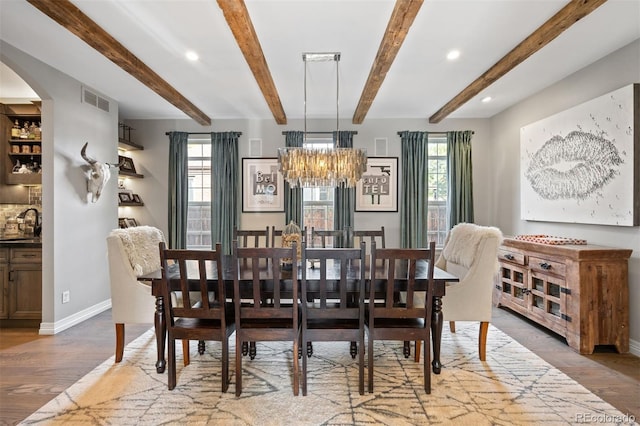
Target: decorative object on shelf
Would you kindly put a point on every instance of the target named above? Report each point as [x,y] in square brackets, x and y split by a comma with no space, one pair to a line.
[580,165]
[97,175]
[135,198]
[125,197]
[127,222]
[262,185]
[308,167]
[131,222]
[126,164]
[377,191]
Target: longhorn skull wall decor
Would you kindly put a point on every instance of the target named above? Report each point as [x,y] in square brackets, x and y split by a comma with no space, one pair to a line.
[97,175]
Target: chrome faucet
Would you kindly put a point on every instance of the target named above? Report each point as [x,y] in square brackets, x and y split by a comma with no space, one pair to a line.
[37,228]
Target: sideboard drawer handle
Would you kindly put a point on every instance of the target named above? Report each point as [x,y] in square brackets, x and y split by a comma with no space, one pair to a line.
[545,266]
[509,256]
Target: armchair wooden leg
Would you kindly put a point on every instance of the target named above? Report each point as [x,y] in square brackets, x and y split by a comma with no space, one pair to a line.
[185,352]
[119,341]
[417,354]
[482,340]
[452,326]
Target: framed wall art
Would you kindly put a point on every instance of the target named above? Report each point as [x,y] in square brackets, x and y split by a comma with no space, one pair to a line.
[127,164]
[377,191]
[582,165]
[262,185]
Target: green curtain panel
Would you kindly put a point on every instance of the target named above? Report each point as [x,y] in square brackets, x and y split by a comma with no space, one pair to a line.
[460,177]
[178,189]
[293,196]
[413,195]
[224,188]
[345,198]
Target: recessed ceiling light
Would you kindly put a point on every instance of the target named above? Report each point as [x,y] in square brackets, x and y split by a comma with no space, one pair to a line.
[191,55]
[486,99]
[453,54]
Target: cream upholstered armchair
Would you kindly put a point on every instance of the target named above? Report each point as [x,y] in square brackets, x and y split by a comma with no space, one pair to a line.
[470,252]
[133,252]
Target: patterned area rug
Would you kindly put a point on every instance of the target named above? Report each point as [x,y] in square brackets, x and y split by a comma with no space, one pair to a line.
[513,387]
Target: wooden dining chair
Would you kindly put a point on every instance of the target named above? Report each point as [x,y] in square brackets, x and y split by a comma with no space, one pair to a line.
[328,238]
[258,275]
[369,236]
[251,237]
[332,316]
[208,318]
[388,319]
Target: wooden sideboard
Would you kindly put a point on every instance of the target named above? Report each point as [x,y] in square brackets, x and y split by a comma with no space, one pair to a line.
[578,291]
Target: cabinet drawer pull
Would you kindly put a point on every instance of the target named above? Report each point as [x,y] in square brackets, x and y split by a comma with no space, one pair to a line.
[545,266]
[509,256]
[29,255]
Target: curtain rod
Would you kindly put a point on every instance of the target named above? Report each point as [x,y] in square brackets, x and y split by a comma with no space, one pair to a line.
[355,132]
[198,133]
[472,132]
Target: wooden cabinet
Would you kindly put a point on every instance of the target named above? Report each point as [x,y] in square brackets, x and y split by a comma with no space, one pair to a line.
[23,159]
[4,283]
[577,291]
[21,276]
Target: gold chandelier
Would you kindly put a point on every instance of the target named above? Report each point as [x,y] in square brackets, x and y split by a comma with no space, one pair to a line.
[311,167]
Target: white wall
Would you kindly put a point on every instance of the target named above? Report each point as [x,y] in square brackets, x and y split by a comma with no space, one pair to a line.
[152,162]
[612,72]
[74,230]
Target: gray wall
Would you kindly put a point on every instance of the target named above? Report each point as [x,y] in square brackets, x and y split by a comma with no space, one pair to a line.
[612,72]
[74,230]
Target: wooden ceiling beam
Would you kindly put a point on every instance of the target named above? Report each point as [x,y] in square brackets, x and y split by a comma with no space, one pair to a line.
[402,17]
[73,19]
[552,28]
[237,16]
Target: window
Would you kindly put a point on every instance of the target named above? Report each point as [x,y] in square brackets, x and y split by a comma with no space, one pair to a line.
[438,190]
[317,202]
[199,210]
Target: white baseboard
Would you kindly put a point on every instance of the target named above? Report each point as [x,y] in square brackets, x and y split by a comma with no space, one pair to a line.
[48,328]
[634,347]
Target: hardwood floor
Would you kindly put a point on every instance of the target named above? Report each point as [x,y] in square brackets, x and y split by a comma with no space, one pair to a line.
[34,369]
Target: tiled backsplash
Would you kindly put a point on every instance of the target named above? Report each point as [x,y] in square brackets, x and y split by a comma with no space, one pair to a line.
[8,211]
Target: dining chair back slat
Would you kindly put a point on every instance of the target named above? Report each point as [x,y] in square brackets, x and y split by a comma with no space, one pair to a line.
[398,317]
[192,312]
[266,306]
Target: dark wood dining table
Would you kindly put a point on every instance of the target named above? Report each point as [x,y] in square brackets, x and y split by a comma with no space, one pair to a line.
[441,277]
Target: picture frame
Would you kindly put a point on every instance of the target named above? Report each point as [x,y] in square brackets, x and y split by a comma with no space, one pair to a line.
[131,222]
[122,222]
[126,164]
[262,185]
[377,191]
[124,197]
[135,198]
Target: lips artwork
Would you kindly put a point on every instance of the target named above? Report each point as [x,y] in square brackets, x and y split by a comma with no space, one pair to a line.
[573,167]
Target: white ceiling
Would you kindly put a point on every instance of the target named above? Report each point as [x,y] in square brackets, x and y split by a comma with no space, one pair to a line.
[420,81]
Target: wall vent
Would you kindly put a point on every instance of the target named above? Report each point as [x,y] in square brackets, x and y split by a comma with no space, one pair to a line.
[91,98]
